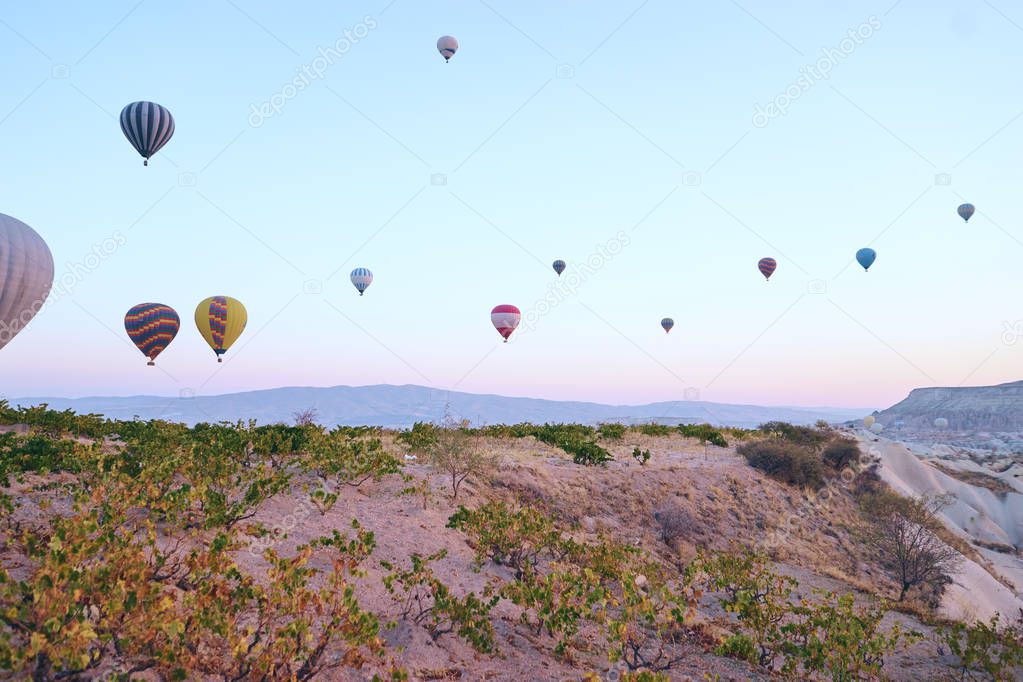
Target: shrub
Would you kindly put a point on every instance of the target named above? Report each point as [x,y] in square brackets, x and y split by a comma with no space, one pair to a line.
[654,429]
[611,431]
[459,454]
[511,537]
[989,648]
[675,522]
[641,456]
[787,462]
[840,453]
[705,433]
[420,437]
[804,436]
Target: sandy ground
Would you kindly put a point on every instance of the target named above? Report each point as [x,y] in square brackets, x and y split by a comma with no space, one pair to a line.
[977,514]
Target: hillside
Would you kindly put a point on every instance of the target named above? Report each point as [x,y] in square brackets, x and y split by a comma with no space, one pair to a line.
[205,550]
[967,409]
[401,406]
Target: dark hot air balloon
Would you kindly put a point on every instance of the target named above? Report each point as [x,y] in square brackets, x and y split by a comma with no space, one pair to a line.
[866,258]
[559,266]
[966,211]
[767,267]
[148,126]
[151,327]
[667,323]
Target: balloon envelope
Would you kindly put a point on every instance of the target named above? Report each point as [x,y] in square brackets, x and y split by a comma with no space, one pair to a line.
[26,275]
[866,258]
[965,211]
[941,422]
[767,267]
[220,320]
[667,323]
[447,46]
[148,126]
[151,327]
[877,427]
[361,278]
[869,420]
[505,319]
[559,266]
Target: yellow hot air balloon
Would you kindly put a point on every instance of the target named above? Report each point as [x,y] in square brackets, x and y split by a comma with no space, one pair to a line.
[221,320]
[868,421]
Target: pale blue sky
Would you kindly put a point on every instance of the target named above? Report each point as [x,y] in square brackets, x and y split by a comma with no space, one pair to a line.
[558,125]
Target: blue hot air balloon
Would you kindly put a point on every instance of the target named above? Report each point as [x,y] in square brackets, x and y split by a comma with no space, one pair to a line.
[559,266]
[966,211]
[667,323]
[866,257]
[361,278]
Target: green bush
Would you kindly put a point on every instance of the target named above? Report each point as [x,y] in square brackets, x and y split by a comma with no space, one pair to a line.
[841,452]
[804,436]
[787,462]
[420,437]
[641,456]
[705,433]
[611,431]
[654,429]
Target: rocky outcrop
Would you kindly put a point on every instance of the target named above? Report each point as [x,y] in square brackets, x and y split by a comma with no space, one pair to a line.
[967,409]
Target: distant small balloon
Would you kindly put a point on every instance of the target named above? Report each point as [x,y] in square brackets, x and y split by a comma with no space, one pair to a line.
[447,46]
[767,267]
[559,266]
[941,423]
[505,319]
[966,211]
[877,427]
[866,258]
[869,420]
[667,323]
[148,127]
[361,278]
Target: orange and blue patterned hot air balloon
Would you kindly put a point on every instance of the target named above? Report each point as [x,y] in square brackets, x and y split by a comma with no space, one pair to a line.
[221,320]
[767,267]
[151,327]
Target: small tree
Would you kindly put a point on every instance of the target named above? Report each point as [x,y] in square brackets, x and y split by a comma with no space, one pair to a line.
[306,417]
[903,532]
[460,454]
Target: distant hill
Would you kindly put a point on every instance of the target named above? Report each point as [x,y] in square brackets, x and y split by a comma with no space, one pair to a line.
[400,406]
[967,409]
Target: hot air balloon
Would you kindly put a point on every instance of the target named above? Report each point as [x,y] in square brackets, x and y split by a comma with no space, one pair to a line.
[447,46]
[877,427]
[869,420]
[667,323]
[505,319]
[151,327]
[941,423]
[559,266]
[866,257]
[966,211]
[362,278]
[767,267]
[221,320]
[26,274]
[148,127]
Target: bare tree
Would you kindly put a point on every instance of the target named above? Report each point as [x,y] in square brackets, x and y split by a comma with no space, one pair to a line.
[904,533]
[306,417]
[460,454]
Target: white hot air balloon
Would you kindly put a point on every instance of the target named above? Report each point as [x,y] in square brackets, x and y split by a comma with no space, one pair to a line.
[877,427]
[447,46]
[361,279]
[26,274]
[941,423]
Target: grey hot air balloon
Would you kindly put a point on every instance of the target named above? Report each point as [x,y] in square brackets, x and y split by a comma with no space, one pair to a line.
[447,46]
[26,274]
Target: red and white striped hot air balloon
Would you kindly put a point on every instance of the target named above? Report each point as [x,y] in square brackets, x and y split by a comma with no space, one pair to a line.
[505,319]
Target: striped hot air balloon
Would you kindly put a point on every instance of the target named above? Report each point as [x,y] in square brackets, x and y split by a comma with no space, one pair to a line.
[221,320]
[966,211]
[148,126]
[447,46]
[505,319]
[666,324]
[151,327]
[559,266]
[767,267]
[361,278]
[26,275]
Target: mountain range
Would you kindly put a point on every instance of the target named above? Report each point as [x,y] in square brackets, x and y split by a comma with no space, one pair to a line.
[967,408]
[400,406]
